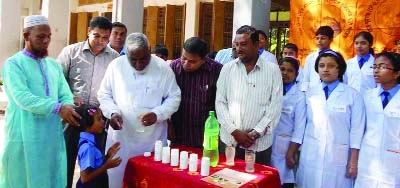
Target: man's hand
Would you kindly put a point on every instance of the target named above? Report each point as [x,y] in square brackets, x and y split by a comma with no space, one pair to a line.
[68,114]
[148,118]
[116,121]
[243,138]
[78,101]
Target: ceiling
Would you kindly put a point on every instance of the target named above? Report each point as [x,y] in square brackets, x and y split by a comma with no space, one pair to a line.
[280,5]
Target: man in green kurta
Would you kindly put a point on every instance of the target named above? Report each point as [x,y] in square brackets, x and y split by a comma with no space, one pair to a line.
[39,98]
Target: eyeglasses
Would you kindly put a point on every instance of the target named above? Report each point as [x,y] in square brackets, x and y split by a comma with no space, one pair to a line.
[381,67]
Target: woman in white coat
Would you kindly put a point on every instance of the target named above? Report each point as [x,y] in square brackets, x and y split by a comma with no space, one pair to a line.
[290,130]
[359,74]
[379,163]
[334,129]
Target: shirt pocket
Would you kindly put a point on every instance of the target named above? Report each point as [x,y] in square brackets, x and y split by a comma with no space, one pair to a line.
[282,144]
[149,96]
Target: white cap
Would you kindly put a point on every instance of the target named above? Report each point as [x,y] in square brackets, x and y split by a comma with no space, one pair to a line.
[35,20]
[147,154]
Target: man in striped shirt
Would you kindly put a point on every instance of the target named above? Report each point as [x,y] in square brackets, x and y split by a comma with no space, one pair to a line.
[248,99]
[197,77]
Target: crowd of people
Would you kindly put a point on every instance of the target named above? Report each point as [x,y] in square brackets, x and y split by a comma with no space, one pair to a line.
[113,93]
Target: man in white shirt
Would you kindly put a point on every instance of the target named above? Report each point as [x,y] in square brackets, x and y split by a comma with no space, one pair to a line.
[226,55]
[323,39]
[248,99]
[263,40]
[138,94]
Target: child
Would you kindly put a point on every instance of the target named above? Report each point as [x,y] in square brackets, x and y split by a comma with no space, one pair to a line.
[92,163]
[323,39]
[289,132]
[359,74]
[334,129]
[379,163]
[291,50]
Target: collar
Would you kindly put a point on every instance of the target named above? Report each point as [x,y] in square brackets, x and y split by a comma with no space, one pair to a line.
[123,51]
[88,136]
[86,46]
[323,50]
[366,57]
[392,91]
[207,65]
[288,86]
[31,55]
[258,65]
[331,86]
[260,51]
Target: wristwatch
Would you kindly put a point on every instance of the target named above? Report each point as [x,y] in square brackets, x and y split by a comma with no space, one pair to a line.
[255,134]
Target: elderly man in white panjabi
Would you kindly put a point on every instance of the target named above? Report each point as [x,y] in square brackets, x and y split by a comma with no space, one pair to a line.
[138,93]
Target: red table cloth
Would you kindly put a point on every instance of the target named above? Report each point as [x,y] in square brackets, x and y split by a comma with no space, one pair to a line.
[144,172]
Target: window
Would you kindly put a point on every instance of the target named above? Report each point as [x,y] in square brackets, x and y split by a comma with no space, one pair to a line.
[228,24]
[206,22]
[160,25]
[179,31]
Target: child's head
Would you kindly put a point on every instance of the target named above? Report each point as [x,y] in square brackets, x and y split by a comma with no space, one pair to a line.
[290,49]
[387,68]
[363,43]
[324,37]
[330,66]
[289,69]
[91,118]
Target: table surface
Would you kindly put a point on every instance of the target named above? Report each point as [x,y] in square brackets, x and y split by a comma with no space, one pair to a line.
[144,172]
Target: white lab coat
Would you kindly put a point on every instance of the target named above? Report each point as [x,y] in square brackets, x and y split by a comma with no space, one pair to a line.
[290,129]
[269,56]
[131,93]
[379,160]
[334,126]
[310,76]
[360,79]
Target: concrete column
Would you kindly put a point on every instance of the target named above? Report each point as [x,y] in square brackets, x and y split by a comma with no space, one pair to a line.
[10,24]
[251,12]
[192,18]
[58,14]
[130,13]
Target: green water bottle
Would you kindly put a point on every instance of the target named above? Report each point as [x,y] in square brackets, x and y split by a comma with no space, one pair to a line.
[210,143]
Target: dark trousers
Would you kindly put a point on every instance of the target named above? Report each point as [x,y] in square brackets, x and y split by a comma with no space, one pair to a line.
[262,157]
[71,135]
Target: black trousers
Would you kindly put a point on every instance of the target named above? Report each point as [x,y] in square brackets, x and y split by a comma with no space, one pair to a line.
[71,135]
[262,157]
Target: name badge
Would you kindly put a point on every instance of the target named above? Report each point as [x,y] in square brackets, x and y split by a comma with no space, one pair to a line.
[287,109]
[393,114]
[338,108]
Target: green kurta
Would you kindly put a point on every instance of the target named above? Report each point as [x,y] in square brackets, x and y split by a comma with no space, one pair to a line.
[34,154]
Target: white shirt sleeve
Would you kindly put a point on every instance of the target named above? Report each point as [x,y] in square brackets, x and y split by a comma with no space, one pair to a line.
[171,97]
[105,93]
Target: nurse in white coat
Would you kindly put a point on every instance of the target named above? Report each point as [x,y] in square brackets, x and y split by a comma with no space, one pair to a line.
[334,129]
[379,162]
[139,93]
[290,130]
[359,74]
[323,40]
